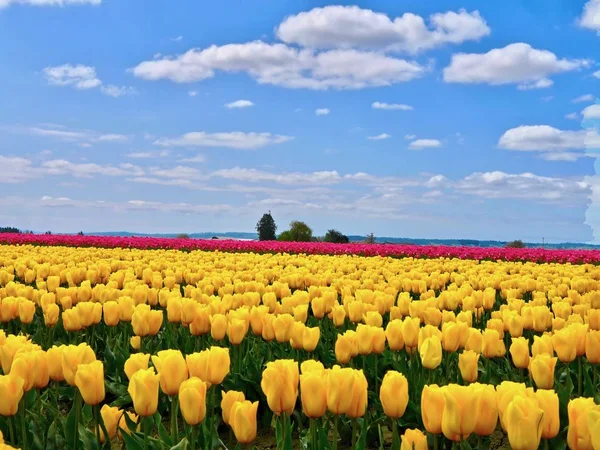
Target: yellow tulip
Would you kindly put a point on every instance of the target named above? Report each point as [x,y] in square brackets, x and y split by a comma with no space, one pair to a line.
[227,400]
[394,394]
[51,315]
[211,365]
[524,423]
[55,370]
[451,333]
[89,379]
[192,400]
[564,343]
[474,341]
[218,326]
[172,368]
[548,402]
[143,389]
[72,357]
[135,342]
[542,344]
[358,405]
[343,348]
[413,440]
[280,385]
[243,421]
[593,419]
[592,346]
[393,335]
[431,352]
[485,409]
[410,331]
[493,345]
[458,420]
[11,392]
[111,314]
[433,402]
[468,362]
[338,315]
[282,326]
[579,436]
[313,387]
[340,383]
[541,369]
[135,362]
[110,416]
[505,392]
[26,311]
[310,338]
[373,318]
[519,351]
[236,331]
[311,365]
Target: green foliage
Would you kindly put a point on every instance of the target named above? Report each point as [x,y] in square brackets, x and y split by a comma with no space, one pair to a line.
[515,244]
[298,232]
[266,228]
[183,236]
[335,237]
[9,230]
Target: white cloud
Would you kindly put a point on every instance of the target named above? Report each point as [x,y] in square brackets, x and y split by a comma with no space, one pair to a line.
[561,156]
[7,3]
[542,83]
[424,143]
[591,15]
[87,170]
[547,138]
[192,93]
[16,170]
[597,74]
[572,116]
[526,186]
[177,39]
[148,155]
[253,175]
[410,137]
[391,106]
[280,65]
[83,137]
[353,27]
[322,112]
[199,158]
[239,104]
[79,76]
[548,98]
[591,112]
[234,139]
[584,99]
[117,91]
[380,137]
[514,64]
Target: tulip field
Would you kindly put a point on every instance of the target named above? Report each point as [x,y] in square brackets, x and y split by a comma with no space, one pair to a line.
[110,343]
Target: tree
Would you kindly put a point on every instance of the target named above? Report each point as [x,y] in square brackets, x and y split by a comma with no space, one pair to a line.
[335,237]
[266,228]
[515,244]
[370,239]
[9,230]
[298,232]
[183,236]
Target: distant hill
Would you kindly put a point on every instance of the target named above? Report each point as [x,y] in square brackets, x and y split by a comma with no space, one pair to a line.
[358,238]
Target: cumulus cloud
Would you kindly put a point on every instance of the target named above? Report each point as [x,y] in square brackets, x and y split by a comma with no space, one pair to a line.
[559,145]
[420,144]
[148,155]
[192,93]
[380,137]
[7,3]
[78,76]
[584,98]
[597,74]
[591,112]
[353,27]
[83,137]
[239,104]
[591,15]
[117,91]
[235,139]
[199,158]
[572,116]
[322,111]
[253,175]
[280,65]
[410,137]
[391,106]
[518,63]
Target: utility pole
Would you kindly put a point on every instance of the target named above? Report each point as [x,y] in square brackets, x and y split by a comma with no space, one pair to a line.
[543,243]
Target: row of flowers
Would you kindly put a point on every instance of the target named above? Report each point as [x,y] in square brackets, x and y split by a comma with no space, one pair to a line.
[388,250]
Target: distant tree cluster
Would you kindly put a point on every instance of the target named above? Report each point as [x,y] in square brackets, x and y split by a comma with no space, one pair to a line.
[183,236]
[370,239]
[9,230]
[298,232]
[515,244]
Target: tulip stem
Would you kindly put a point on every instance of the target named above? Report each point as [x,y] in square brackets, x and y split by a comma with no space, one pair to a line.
[479,443]
[193,437]
[546,445]
[313,434]
[148,428]
[174,430]
[579,376]
[77,407]
[335,433]
[97,420]
[594,376]
[11,430]
[435,442]
[395,436]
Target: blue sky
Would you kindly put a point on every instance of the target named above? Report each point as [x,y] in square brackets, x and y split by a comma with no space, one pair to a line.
[446,119]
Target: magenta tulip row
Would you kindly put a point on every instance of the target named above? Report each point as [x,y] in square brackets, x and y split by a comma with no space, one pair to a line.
[393,250]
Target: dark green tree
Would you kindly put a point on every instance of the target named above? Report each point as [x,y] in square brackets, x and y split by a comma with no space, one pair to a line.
[9,230]
[515,244]
[370,239]
[298,232]
[335,237]
[266,228]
